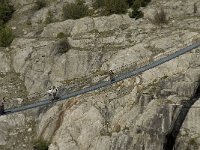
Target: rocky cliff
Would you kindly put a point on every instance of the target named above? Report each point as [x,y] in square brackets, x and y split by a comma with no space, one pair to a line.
[136,113]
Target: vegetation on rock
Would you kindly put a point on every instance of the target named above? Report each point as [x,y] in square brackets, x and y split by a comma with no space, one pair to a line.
[62,46]
[99,3]
[41,144]
[109,7]
[49,18]
[6,11]
[40,4]
[137,4]
[105,7]
[115,7]
[6,36]
[61,35]
[160,17]
[75,10]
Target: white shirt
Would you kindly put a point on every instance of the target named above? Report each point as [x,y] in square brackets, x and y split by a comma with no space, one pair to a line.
[50,91]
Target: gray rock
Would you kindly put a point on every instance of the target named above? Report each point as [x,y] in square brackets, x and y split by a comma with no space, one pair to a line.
[5,63]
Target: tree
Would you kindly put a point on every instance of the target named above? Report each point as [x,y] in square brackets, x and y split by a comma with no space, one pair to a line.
[6,36]
[6,11]
[115,7]
[75,10]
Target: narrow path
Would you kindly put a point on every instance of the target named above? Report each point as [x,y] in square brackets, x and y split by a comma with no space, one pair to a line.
[120,77]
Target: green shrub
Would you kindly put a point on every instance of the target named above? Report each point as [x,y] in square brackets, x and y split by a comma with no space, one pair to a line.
[140,3]
[75,10]
[49,18]
[129,2]
[120,7]
[40,4]
[6,36]
[115,7]
[6,11]
[136,13]
[62,46]
[99,3]
[41,144]
[61,35]
[28,22]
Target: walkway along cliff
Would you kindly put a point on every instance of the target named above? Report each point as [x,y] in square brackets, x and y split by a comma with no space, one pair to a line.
[120,77]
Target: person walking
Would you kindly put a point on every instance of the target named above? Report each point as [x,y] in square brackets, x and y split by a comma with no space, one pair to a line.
[50,93]
[2,102]
[111,74]
[54,92]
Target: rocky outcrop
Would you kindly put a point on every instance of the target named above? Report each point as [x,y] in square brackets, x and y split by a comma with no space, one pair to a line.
[133,114]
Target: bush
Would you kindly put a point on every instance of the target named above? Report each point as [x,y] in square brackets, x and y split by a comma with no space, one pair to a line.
[49,18]
[40,4]
[75,10]
[99,3]
[136,13]
[6,11]
[61,35]
[62,46]
[115,7]
[129,2]
[41,144]
[120,7]
[6,36]
[141,3]
[160,17]
[28,22]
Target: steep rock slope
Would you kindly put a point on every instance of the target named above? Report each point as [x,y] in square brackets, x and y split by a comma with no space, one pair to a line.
[132,114]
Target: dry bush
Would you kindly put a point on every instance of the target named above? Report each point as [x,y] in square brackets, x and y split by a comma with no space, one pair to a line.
[75,10]
[160,17]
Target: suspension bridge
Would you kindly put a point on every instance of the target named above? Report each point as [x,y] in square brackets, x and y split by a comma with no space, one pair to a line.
[119,77]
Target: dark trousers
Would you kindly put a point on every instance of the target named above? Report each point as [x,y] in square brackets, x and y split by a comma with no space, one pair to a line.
[2,110]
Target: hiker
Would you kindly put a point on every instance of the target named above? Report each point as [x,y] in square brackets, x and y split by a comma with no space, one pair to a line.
[54,92]
[19,101]
[50,93]
[2,106]
[111,74]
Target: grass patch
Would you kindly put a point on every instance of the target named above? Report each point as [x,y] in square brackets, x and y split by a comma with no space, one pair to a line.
[61,35]
[108,7]
[193,142]
[6,11]
[160,17]
[6,36]
[62,46]
[49,18]
[41,144]
[40,4]
[75,10]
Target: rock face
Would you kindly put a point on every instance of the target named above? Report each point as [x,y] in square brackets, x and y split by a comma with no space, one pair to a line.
[135,113]
[5,61]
